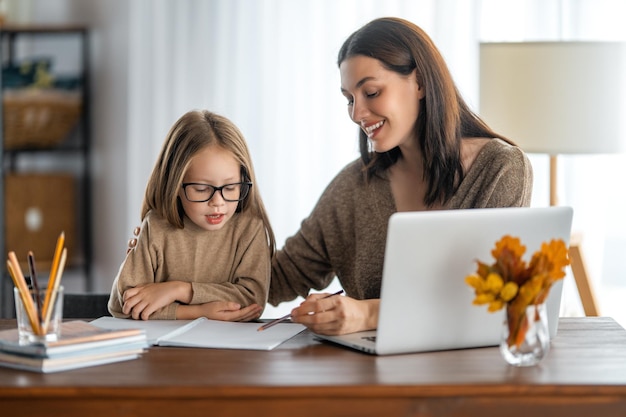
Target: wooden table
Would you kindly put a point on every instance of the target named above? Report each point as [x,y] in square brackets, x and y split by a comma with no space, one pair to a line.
[584,375]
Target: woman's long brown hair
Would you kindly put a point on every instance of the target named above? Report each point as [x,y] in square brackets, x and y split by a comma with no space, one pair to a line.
[444,117]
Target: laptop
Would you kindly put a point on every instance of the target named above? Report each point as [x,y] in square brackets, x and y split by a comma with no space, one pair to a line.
[425,303]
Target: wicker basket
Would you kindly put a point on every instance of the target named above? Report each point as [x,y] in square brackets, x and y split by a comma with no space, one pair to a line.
[39,118]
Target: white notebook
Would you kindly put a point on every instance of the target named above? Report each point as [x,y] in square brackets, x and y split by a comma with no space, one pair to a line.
[205,333]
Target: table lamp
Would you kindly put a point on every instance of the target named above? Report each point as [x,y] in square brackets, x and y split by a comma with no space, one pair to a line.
[557,98]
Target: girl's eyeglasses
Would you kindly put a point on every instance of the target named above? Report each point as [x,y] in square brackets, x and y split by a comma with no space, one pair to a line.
[199,193]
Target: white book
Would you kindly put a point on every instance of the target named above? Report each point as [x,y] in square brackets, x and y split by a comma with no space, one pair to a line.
[206,333]
[80,344]
[56,364]
[76,338]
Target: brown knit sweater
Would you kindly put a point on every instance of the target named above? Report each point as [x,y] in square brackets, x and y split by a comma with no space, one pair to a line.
[229,264]
[345,234]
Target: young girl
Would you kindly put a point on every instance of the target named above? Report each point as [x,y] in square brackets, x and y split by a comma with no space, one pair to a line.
[205,243]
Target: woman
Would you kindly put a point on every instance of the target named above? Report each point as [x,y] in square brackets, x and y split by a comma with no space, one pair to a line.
[422,148]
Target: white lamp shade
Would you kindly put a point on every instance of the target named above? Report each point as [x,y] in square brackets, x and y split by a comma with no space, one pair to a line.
[556,97]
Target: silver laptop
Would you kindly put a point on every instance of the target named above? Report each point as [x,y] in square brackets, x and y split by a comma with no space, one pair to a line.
[425,303]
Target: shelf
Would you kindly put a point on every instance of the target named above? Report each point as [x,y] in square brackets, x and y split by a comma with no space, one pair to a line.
[57,201]
[42,29]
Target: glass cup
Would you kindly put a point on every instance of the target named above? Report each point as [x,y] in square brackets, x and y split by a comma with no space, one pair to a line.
[530,341]
[24,327]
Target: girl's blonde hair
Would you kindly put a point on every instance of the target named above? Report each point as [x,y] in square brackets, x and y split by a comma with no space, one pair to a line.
[194,131]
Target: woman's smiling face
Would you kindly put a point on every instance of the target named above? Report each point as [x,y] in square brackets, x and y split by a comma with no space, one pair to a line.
[383,103]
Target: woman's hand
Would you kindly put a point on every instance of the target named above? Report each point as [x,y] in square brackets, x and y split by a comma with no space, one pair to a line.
[337,314]
[141,301]
[219,310]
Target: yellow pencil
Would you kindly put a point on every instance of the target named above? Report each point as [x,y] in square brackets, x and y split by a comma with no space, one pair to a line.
[54,290]
[53,272]
[20,283]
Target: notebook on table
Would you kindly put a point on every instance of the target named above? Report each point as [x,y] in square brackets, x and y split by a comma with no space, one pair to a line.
[425,303]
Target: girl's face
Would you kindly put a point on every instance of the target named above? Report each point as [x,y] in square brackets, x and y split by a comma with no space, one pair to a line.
[383,103]
[214,166]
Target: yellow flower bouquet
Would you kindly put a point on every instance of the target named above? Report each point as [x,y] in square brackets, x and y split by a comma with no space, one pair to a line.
[513,283]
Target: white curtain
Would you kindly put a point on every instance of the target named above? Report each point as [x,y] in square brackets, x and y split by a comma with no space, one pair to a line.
[270,66]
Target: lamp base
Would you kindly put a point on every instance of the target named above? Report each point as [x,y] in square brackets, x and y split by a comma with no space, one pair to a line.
[579,270]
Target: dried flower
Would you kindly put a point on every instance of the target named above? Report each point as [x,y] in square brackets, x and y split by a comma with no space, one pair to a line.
[513,283]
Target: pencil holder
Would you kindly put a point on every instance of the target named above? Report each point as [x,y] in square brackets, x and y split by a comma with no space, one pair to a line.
[39,320]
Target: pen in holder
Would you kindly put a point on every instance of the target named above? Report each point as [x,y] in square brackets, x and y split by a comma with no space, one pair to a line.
[39,313]
[45,332]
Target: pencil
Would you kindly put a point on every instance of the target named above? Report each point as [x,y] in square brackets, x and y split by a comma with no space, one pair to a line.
[20,283]
[287,316]
[53,272]
[53,292]
[35,284]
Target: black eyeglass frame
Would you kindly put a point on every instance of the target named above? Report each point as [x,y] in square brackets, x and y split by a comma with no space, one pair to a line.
[246,184]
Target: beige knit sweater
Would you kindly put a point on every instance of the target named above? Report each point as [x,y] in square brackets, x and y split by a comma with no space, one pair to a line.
[345,234]
[229,264]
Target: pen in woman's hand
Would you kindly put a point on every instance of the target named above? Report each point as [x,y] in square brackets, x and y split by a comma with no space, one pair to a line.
[288,316]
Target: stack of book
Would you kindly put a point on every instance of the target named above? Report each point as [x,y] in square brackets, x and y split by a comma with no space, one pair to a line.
[79,345]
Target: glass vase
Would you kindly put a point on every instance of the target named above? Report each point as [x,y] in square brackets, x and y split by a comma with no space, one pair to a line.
[525,335]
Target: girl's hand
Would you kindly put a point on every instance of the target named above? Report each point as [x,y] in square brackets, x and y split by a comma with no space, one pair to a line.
[141,301]
[337,314]
[219,310]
